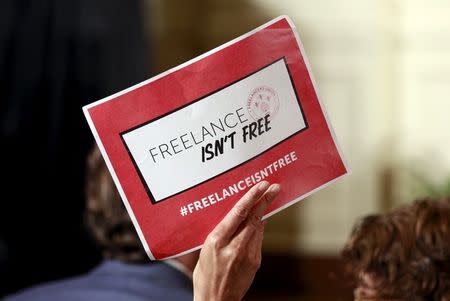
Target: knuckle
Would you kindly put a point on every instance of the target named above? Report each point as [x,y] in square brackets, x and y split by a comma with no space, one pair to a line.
[268,197]
[233,256]
[214,241]
[240,211]
[253,195]
[255,262]
[237,254]
[255,220]
[261,227]
[236,251]
[228,253]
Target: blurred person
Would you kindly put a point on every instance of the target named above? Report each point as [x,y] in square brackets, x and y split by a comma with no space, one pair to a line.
[402,255]
[55,57]
[228,260]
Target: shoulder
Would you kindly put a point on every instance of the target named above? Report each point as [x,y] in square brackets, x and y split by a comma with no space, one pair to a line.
[114,281]
[51,291]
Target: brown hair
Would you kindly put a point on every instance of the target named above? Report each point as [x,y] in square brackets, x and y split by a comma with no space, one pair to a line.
[405,251]
[106,216]
[432,233]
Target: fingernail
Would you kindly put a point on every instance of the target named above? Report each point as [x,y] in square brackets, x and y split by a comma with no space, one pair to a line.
[272,193]
[263,186]
[275,188]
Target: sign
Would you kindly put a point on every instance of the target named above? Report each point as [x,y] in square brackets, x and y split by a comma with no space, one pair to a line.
[184,146]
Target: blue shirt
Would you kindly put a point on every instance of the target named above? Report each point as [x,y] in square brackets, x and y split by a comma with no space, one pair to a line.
[115,281]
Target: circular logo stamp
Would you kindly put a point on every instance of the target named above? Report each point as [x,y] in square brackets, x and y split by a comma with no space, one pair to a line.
[263,100]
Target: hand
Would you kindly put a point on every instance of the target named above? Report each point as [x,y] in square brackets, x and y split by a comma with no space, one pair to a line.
[231,254]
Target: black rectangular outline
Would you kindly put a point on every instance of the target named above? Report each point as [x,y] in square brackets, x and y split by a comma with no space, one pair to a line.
[144,183]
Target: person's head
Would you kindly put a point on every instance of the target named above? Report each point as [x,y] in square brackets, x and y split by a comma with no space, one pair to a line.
[400,255]
[106,216]
[432,234]
[108,220]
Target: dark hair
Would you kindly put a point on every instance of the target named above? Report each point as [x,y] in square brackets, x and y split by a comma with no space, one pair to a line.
[106,216]
[406,251]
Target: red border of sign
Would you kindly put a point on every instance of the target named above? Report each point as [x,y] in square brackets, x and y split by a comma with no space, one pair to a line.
[162,230]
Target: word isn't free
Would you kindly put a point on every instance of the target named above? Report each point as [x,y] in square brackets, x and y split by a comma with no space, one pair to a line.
[212,130]
[249,132]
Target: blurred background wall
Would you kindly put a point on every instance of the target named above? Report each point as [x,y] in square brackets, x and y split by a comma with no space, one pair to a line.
[383,71]
[382,68]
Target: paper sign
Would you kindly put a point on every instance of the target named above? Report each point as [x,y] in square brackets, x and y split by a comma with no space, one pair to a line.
[184,146]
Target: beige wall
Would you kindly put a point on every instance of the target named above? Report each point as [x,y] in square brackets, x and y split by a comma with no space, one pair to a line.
[383,71]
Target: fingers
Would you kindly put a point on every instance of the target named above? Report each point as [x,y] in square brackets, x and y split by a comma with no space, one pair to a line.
[255,244]
[253,222]
[228,226]
[265,201]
